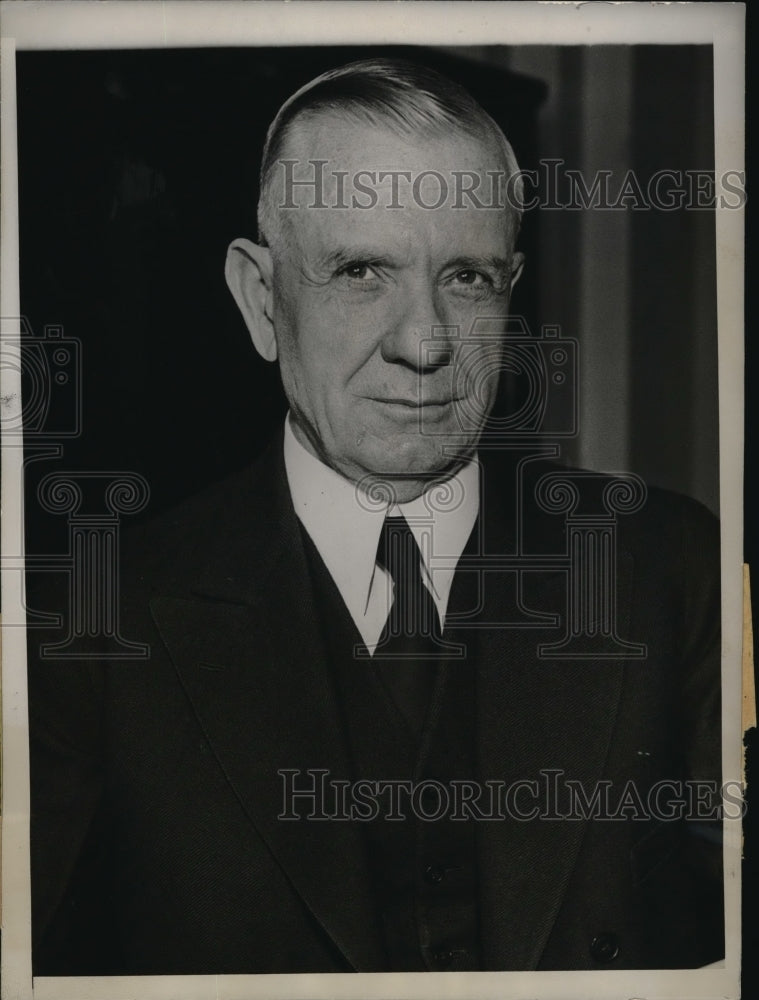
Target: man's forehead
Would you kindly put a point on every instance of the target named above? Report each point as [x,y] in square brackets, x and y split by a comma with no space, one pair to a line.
[348,143]
[404,236]
[342,181]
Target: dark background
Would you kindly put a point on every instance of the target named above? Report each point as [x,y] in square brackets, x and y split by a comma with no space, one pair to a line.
[137,168]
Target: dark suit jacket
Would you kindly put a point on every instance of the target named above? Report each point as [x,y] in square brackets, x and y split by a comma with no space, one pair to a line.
[156,846]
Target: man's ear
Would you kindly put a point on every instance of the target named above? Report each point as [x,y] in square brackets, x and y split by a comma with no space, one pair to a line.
[248,271]
[517,264]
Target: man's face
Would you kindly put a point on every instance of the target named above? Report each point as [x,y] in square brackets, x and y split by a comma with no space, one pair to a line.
[359,292]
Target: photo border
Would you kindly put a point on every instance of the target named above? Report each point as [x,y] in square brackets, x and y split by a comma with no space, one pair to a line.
[85,25]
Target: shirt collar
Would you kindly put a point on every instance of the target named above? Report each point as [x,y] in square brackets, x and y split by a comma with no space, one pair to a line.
[344,523]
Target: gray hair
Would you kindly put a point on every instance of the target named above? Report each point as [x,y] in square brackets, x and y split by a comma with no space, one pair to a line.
[399,95]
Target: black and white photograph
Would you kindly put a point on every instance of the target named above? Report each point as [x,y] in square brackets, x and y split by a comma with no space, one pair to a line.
[372,513]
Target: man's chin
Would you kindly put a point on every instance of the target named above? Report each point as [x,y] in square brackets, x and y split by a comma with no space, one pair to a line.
[400,462]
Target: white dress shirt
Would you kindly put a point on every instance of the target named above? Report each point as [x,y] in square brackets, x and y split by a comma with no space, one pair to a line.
[345,523]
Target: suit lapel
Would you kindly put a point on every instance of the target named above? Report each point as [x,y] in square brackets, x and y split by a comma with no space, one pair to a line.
[251,659]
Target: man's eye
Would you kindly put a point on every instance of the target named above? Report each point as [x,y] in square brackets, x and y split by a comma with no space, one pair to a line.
[358,272]
[471,277]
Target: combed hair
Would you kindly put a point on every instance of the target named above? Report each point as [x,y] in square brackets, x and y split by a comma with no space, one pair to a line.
[390,93]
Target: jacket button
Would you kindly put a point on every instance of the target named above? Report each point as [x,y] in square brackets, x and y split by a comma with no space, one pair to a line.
[604,948]
[434,874]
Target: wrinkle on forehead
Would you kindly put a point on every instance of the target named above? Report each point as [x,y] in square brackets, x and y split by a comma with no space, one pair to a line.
[398,239]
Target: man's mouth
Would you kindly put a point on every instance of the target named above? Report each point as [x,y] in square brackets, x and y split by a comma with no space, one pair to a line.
[414,404]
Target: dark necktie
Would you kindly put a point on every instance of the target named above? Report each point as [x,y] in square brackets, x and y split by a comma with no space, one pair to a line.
[409,647]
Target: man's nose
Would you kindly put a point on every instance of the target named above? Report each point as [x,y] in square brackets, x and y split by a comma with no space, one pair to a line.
[418,335]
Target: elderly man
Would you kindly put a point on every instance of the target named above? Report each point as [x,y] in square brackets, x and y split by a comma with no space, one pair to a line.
[357,744]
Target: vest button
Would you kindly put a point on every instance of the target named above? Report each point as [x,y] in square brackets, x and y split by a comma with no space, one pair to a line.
[434,874]
[442,958]
[604,948]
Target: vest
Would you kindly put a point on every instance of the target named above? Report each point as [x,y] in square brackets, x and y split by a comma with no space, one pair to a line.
[423,862]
